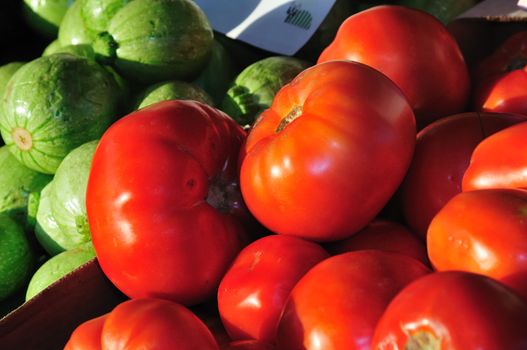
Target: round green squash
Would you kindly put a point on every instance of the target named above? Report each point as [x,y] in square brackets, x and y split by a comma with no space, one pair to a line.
[157,40]
[72,30]
[96,14]
[172,90]
[61,216]
[54,104]
[254,88]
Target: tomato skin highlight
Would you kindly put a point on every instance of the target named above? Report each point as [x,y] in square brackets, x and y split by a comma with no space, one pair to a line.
[326,174]
[484,232]
[453,310]
[154,324]
[413,49]
[161,201]
[254,290]
[442,155]
[499,161]
[338,302]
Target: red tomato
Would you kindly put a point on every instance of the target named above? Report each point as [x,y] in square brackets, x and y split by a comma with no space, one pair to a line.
[501,79]
[155,324]
[413,49]
[455,311]
[485,232]
[163,202]
[383,235]
[442,155]
[338,302]
[248,345]
[329,153]
[499,161]
[87,336]
[254,290]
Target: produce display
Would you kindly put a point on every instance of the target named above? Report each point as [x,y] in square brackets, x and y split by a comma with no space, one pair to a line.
[367,192]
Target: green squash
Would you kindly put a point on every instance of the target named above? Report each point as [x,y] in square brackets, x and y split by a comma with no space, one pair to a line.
[6,72]
[172,90]
[62,222]
[17,184]
[218,73]
[157,40]
[72,30]
[254,88]
[54,104]
[57,267]
[96,14]
[45,16]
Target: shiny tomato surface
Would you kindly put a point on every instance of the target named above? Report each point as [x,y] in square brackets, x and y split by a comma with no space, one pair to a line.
[329,153]
[453,311]
[499,161]
[383,235]
[155,324]
[501,78]
[337,304]
[485,232]
[412,48]
[163,202]
[442,155]
[254,290]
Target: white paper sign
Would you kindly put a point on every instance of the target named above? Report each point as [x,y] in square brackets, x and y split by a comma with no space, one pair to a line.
[280,26]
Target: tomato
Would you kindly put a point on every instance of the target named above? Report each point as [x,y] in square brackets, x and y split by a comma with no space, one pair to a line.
[499,161]
[501,78]
[383,235]
[329,153]
[413,49]
[442,155]
[254,290]
[248,345]
[87,336]
[155,324]
[455,311]
[338,302]
[163,201]
[485,232]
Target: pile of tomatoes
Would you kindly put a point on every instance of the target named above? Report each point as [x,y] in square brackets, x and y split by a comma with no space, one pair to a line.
[290,227]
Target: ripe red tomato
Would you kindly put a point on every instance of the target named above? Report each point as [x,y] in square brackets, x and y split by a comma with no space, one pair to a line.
[338,302]
[163,202]
[413,49]
[456,311]
[485,232]
[254,290]
[383,235]
[155,324]
[499,161]
[442,155]
[248,345]
[501,78]
[329,153]
[87,336]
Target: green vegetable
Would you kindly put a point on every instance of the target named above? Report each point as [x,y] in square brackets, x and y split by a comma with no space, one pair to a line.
[61,215]
[6,72]
[218,73]
[254,88]
[54,104]
[81,50]
[45,15]
[16,257]
[57,267]
[72,30]
[17,183]
[157,40]
[172,90]
[96,14]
